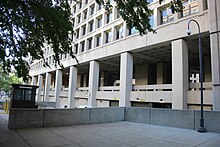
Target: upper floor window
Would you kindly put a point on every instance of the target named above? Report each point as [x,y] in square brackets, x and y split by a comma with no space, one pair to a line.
[99,21]
[85,14]
[100,6]
[117,13]
[108,17]
[89,41]
[205,4]
[132,31]
[76,49]
[98,40]
[83,30]
[80,4]
[86,2]
[77,33]
[189,7]
[92,9]
[119,32]
[91,26]
[152,21]
[166,15]
[79,18]
[82,44]
[74,9]
[108,36]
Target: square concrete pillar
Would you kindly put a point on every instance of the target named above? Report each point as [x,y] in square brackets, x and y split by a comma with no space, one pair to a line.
[214,18]
[72,86]
[47,86]
[58,86]
[93,82]
[180,71]
[126,75]
[40,84]
[215,60]
[141,75]
[160,73]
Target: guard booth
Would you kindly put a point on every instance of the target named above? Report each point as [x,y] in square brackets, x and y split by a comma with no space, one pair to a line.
[23,96]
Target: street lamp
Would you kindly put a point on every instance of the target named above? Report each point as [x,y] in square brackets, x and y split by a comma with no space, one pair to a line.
[201,128]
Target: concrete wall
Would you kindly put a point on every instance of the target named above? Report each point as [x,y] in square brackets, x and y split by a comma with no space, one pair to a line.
[103,115]
[211,120]
[25,118]
[137,114]
[37,118]
[174,118]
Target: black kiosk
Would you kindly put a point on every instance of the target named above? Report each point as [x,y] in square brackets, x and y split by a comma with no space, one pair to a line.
[23,96]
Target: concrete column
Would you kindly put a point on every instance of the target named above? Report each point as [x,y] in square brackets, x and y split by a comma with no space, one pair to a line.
[214,18]
[160,73]
[34,80]
[141,75]
[180,78]
[47,86]
[93,82]
[126,75]
[40,84]
[58,85]
[72,86]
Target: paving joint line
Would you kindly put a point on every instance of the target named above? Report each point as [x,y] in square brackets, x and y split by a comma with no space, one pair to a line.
[63,137]
[23,138]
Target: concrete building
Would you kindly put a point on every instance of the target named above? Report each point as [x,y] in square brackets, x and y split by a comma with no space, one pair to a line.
[118,67]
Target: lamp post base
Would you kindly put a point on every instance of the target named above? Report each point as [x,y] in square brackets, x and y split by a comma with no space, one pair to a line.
[202,128]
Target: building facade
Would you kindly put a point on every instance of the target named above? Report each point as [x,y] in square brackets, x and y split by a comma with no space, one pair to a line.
[118,67]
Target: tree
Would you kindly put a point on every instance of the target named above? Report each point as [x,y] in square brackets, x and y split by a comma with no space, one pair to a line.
[25,26]
[7,80]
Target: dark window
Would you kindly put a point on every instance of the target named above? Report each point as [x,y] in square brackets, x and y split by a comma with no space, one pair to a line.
[89,43]
[91,26]
[98,41]
[76,49]
[80,5]
[84,30]
[83,46]
[92,10]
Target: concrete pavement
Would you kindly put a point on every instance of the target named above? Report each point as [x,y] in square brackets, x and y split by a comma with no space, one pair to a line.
[117,134]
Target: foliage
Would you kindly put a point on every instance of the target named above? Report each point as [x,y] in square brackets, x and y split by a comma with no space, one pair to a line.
[25,26]
[7,80]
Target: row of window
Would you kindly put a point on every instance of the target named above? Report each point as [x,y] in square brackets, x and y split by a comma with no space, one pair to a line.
[103,38]
[189,7]
[84,15]
[93,24]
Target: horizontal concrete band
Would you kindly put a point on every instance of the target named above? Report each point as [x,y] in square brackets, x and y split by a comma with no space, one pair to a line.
[36,118]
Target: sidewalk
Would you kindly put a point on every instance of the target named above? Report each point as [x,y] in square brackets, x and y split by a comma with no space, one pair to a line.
[117,134]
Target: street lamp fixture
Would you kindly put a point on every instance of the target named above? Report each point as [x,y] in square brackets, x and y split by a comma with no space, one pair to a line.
[201,128]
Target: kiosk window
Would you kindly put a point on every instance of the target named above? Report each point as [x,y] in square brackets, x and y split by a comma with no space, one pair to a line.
[27,95]
[17,94]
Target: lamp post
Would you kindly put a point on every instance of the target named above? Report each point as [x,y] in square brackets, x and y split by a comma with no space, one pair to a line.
[201,128]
